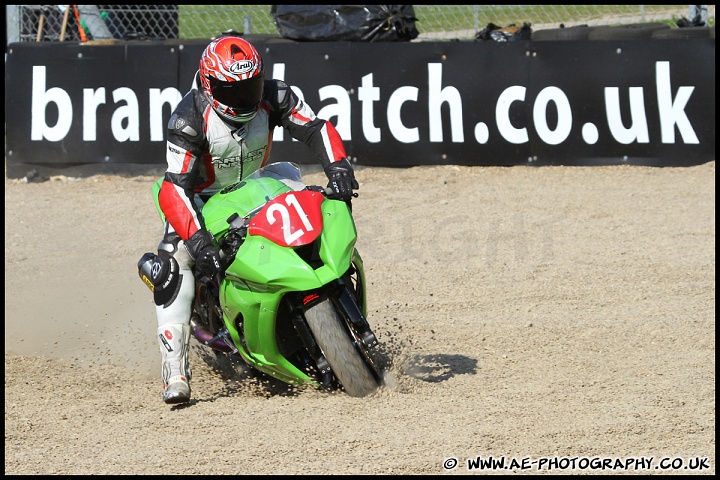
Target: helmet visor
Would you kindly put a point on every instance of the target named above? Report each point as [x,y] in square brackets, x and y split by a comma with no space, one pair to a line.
[243,96]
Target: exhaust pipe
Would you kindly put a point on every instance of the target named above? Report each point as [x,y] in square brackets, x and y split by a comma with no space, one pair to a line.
[206,337]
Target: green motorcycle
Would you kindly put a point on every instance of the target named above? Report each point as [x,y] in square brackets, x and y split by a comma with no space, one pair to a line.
[291,299]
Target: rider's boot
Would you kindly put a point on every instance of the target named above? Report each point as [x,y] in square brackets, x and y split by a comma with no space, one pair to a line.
[174,340]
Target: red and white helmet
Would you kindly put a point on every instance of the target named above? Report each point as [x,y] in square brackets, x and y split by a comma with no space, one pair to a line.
[232,77]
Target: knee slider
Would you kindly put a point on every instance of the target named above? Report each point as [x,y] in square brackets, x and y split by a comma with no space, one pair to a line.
[161,273]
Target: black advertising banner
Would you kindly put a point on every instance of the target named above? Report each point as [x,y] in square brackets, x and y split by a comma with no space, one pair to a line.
[640,102]
[528,103]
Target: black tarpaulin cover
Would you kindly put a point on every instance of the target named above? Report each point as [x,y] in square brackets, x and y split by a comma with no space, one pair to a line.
[356,23]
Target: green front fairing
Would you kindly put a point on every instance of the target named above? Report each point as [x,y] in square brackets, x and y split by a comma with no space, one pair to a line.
[263,272]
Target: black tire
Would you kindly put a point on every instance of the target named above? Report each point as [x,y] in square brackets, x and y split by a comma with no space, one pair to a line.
[346,361]
[627,32]
[682,33]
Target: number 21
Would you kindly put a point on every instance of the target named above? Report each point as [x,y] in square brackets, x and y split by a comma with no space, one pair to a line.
[291,201]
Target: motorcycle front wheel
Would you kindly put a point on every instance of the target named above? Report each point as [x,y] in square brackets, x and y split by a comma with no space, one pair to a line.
[338,346]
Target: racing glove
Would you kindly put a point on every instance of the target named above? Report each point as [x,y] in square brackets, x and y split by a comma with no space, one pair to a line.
[342,179]
[201,248]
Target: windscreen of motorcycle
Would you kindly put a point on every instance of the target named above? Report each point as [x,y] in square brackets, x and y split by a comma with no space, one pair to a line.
[247,197]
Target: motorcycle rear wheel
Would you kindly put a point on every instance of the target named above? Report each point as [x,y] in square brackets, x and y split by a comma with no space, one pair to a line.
[346,361]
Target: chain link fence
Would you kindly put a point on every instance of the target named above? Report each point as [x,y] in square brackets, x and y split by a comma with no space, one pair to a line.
[51,23]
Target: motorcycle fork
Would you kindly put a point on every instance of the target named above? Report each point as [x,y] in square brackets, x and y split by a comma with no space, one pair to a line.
[345,302]
[325,376]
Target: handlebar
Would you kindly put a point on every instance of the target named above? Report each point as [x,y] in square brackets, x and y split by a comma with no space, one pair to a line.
[327,191]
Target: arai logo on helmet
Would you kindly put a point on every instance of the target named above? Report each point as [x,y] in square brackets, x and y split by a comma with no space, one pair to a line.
[243,66]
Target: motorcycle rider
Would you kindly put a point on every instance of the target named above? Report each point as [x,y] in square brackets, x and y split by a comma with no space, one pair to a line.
[220,132]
